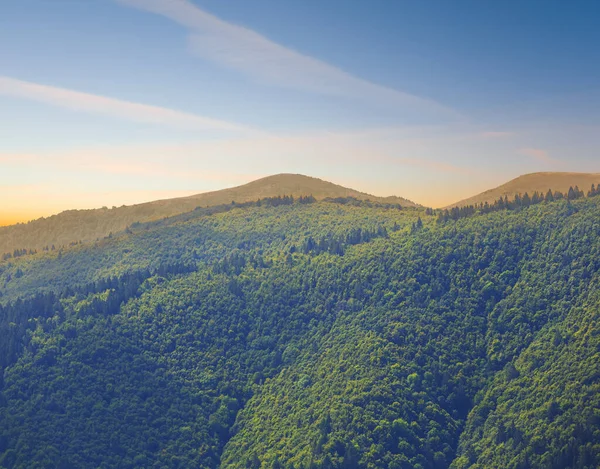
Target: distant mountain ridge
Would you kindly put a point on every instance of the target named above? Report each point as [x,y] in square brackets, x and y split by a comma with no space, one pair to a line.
[530,183]
[88,225]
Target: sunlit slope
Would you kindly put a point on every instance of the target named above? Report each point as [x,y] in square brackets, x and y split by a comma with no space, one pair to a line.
[88,225]
[531,183]
[282,184]
[309,335]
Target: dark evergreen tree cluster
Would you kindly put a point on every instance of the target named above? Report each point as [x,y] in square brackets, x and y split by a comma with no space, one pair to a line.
[456,213]
[18,253]
[417,226]
[277,201]
[362,202]
[337,244]
[306,199]
[30,252]
[519,202]
[235,262]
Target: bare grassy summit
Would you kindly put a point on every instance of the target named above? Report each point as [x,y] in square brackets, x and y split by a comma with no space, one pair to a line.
[279,184]
[531,183]
[88,225]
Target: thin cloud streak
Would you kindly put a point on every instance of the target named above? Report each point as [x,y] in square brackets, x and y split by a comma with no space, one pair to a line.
[537,154]
[495,134]
[78,101]
[179,160]
[256,56]
[437,166]
[101,161]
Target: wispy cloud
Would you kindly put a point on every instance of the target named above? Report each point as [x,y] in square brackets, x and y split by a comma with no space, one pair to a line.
[537,154]
[164,170]
[138,161]
[78,101]
[495,134]
[257,154]
[264,60]
[437,166]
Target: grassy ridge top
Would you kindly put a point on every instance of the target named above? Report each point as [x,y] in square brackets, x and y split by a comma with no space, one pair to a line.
[281,184]
[531,183]
[88,225]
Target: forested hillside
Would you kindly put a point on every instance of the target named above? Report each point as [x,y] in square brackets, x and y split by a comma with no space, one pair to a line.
[310,334]
[77,226]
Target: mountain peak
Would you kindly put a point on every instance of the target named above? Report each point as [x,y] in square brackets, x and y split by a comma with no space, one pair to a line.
[285,184]
[88,225]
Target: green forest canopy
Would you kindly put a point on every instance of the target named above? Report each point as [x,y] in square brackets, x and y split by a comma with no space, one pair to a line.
[304,334]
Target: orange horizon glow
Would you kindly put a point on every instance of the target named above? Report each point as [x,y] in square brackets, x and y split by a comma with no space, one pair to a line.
[13,220]
[44,202]
[56,203]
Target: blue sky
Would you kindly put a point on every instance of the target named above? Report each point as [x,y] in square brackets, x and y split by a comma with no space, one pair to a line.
[105,102]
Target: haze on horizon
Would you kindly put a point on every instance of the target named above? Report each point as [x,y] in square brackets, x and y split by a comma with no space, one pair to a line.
[125,101]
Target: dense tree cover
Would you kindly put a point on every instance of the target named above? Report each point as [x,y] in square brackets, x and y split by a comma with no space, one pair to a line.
[518,202]
[309,335]
[543,410]
[203,235]
[18,317]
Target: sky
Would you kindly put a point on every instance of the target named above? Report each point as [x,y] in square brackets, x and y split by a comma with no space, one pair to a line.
[112,102]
